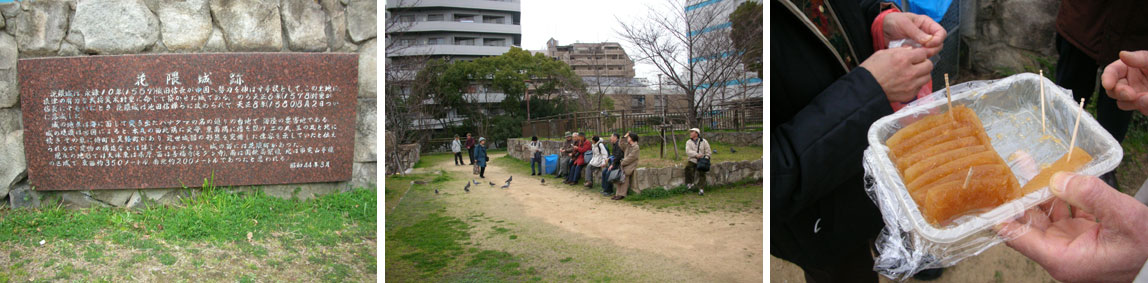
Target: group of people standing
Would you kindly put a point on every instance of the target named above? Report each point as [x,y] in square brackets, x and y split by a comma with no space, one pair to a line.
[598,158]
[475,149]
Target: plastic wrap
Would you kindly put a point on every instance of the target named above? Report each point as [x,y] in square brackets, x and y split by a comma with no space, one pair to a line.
[1010,111]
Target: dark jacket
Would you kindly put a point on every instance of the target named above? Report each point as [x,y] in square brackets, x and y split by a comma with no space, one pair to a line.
[470,143]
[618,154]
[480,155]
[820,115]
[1102,28]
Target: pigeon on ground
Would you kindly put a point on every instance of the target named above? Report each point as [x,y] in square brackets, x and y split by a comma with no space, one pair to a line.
[543,181]
[436,191]
[732,151]
[467,188]
[507,186]
[491,184]
[715,151]
[475,182]
[509,179]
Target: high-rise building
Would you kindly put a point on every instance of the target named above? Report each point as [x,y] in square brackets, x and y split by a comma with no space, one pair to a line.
[459,29]
[452,30]
[709,21]
[604,59]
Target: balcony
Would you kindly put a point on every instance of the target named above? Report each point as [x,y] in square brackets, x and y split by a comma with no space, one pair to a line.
[454,50]
[481,5]
[445,26]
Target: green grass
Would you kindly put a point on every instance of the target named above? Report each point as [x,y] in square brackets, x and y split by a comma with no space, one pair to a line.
[214,217]
[741,196]
[424,244]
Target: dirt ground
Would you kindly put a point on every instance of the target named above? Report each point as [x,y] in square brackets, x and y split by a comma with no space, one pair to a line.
[611,240]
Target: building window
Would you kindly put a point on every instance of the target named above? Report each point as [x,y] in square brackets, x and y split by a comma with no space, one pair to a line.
[435,18]
[493,19]
[463,18]
[463,41]
[406,42]
[407,18]
[493,42]
[435,41]
[638,102]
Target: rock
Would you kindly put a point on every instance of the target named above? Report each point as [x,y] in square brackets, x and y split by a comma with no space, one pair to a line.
[184,24]
[365,131]
[115,198]
[114,26]
[304,24]
[40,28]
[336,26]
[77,199]
[13,167]
[362,19]
[22,196]
[1030,24]
[249,25]
[69,49]
[10,121]
[302,191]
[367,65]
[363,175]
[215,43]
[135,201]
[9,91]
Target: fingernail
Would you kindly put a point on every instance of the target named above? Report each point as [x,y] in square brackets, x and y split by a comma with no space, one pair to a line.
[1059,181]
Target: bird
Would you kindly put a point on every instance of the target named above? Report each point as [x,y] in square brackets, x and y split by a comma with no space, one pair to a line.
[507,186]
[543,181]
[491,184]
[715,151]
[436,191]
[475,182]
[731,150]
[467,188]
[508,180]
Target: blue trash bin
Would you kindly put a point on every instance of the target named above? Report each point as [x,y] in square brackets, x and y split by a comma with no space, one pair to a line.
[551,163]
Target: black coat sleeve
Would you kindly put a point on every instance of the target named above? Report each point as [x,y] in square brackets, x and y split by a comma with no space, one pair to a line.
[821,146]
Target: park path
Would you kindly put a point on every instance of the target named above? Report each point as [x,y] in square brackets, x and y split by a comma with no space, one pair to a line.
[726,245]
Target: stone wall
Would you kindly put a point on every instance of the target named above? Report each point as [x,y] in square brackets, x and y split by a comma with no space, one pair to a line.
[668,177]
[404,158]
[48,28]
[1009,34]
[734,138]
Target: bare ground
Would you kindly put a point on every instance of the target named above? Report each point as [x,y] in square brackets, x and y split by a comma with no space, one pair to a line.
[573,232]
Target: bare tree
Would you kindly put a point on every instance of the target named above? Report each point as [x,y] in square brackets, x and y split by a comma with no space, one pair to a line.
[691,48]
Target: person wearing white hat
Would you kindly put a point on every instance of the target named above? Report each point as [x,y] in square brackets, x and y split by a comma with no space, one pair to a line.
[480,157]
[696,148]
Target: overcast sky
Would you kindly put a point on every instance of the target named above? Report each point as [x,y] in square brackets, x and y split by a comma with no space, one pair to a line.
[584,21]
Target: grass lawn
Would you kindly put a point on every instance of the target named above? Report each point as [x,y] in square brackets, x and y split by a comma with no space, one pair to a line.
[215,236]
[424,244]
[740,197]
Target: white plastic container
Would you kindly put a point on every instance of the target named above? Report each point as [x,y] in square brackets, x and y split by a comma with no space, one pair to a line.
[1010,110]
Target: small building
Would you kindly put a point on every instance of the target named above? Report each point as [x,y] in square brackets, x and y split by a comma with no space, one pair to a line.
[604,59]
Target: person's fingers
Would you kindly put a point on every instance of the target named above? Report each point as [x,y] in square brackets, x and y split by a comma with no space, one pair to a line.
[1112,73]
[1058,210]
[1094,196]
[1142,103]
[1030,242]
[913,28]
[914,55]
[1135,59]
[1123,91]
[1126,105]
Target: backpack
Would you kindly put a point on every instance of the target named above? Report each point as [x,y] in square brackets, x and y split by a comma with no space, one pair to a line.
[704,162]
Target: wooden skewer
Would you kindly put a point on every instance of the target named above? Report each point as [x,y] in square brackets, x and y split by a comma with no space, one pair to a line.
[949,96]
[970,176]
[1043,129]
[1072,144]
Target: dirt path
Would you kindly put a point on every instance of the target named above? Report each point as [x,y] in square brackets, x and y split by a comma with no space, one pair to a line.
[727,246]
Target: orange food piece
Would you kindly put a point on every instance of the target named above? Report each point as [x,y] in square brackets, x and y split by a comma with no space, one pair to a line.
[1042,179]
[949,166]
[951,199]
[913,157]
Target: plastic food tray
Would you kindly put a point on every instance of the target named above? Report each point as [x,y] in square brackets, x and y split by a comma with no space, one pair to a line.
[1009,109]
